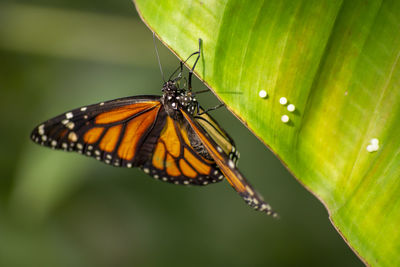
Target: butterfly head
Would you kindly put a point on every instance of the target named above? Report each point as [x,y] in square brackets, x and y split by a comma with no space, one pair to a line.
[175,98]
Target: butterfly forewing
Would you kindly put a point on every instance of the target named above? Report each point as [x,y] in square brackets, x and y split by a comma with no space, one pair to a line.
[112,131]
[228,167]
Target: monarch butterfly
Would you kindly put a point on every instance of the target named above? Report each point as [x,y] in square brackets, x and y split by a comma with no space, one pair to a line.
[169,137]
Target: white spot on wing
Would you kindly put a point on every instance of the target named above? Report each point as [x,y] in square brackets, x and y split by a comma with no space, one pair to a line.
[70,125]
[231,164]
[41,129]
[72,137]
[265,207]
[69,115]
[83,108]
[249,190]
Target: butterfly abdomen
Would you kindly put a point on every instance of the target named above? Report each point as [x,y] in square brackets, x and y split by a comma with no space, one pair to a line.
[197,144]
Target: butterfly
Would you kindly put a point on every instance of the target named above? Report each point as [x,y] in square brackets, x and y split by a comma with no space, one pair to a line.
[170,137]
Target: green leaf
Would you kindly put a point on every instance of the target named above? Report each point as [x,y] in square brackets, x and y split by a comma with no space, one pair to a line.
[338,63]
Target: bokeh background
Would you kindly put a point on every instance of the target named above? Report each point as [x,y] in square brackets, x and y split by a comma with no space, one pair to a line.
[63,209]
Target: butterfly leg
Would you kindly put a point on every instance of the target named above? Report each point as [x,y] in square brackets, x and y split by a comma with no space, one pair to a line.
[180,71]
[191,70]
[194,65]
[210,109]
[202,91]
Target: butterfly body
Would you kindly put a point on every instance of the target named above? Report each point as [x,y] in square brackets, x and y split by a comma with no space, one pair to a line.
[169,137]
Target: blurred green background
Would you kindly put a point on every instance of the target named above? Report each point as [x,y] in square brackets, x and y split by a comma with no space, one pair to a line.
[63,209]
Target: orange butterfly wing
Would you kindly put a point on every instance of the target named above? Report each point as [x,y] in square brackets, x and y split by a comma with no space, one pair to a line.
[113,132]
[175,160]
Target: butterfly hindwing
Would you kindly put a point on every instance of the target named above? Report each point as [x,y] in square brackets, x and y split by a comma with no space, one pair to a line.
[221,138]
[175,160]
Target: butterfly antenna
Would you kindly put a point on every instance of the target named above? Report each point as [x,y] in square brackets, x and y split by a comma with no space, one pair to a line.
[158,57]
